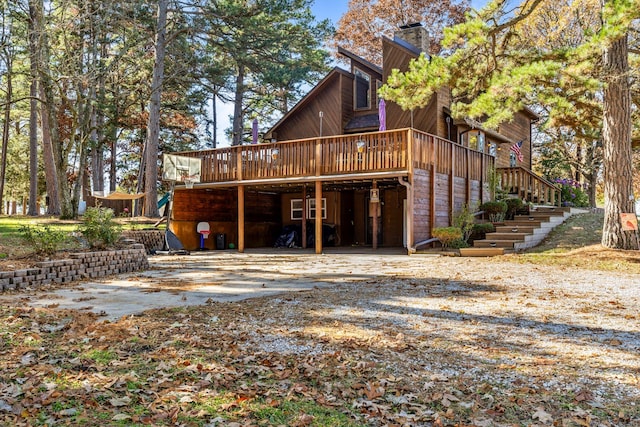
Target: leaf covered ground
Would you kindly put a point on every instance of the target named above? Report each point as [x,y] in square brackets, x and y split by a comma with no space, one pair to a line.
[411,341]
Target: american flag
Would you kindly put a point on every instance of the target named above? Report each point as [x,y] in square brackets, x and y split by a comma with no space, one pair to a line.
[516,149]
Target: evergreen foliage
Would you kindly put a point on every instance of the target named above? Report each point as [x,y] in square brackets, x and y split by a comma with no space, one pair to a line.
[100,228]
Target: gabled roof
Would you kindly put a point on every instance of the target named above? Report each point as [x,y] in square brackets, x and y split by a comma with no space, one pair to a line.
[474,124]
[404,45]
[355,58]
[309,96]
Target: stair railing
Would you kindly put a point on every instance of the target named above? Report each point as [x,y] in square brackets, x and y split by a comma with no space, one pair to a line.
[528,186]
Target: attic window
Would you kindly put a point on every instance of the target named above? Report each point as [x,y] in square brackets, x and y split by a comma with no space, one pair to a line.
[362,90]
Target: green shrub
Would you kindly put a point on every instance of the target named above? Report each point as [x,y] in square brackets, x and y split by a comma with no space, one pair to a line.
[99,227]
[513,206]
[447,235]
[44,240]
[480,230]
[464,220]
[460,243]
[495,211]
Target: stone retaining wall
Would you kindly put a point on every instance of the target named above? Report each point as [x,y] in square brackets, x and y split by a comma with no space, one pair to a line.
[79,266]
[153,240]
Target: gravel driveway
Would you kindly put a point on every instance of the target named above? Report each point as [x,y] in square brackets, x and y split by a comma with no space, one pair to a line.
[484,338]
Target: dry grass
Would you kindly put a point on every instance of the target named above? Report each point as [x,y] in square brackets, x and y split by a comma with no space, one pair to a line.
[576,243]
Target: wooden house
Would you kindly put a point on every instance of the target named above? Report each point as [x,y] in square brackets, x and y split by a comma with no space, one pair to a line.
[328,163]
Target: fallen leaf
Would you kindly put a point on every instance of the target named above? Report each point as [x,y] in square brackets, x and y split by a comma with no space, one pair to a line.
[542,416]
[303,420]
[120,417]
[68,412]
[120,401]
[4,406]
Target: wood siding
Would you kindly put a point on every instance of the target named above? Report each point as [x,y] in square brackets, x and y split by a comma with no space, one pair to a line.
[424,119]
[442,128]
[346,103]
[421,205]
[392,216]
[306,122]
[219,207]
[519,129]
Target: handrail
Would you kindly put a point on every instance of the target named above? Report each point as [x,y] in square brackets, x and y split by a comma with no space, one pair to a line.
[529,186]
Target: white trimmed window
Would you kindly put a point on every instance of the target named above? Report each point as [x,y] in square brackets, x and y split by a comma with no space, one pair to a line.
[296,209]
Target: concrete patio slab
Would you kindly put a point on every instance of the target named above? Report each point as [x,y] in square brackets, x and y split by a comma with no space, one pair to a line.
[217,276]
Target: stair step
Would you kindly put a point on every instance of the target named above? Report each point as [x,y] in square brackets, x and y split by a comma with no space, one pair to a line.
[507,244]
[529,229]
[507,236]
[524,223]
[533,217]
[481,251]
[524,231]
[550,209]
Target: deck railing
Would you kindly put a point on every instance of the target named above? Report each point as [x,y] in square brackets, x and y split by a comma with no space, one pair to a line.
[529,186]
[366,153]
[333,155]
[450,158]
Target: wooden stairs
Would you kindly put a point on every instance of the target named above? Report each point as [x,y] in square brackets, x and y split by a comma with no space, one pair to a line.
[524,231]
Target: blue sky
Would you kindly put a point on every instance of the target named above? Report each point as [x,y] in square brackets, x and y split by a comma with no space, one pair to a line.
[334,9]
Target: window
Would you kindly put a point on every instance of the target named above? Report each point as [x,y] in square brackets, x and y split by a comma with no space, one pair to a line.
[512,159]
[473,139]
[493,149]
[311,208]
[362,90]
[296,209]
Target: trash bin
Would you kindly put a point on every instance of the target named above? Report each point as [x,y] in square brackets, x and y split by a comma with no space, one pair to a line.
[220,241]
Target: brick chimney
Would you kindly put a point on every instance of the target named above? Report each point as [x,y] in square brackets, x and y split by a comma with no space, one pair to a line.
[414,34]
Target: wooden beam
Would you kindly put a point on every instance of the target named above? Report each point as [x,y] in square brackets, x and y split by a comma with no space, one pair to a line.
[373,208]
[432,177]
[410,194]
[238,151]
[304,217]
[241,218]
[318,217]
[468,194]
[452,182]
[482,178]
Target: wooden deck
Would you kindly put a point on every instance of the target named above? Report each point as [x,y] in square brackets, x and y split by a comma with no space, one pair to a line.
[439,176]
[365,156]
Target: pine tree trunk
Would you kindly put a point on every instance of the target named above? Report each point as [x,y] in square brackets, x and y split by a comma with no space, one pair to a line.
[617,162]
[238,118]
[5,128]
[36,12]
[33,147]
[153,135]
[214,121]
[33,117]
[50,174]
[114,149]
[97,152]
